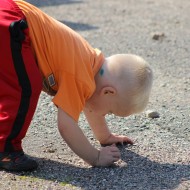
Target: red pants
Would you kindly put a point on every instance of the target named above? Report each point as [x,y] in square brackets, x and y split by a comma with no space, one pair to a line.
[20,79]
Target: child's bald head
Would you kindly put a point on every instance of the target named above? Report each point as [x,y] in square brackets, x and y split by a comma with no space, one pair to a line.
[130,76]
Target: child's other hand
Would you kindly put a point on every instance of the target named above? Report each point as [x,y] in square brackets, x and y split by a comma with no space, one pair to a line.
[108,155]
[117,139]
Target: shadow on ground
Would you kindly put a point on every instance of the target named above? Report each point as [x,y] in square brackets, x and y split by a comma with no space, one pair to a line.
[40,3]
[75,26]
[140,173]
[79,26]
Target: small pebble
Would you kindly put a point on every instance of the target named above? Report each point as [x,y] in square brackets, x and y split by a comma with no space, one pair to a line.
[152,114]
[158,36]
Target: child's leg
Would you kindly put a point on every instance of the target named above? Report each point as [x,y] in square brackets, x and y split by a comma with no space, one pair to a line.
[20,79]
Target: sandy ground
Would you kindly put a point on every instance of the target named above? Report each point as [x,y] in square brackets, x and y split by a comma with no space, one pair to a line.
[156,30]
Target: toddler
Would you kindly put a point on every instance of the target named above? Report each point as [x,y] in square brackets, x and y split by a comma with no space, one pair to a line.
[40,53]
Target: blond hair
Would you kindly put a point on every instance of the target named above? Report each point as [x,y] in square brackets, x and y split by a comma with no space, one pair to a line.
[133,79]
[142,91]
[142,77]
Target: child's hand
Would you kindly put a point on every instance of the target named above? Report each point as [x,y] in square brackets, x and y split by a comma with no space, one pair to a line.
[108,155]
[116,139]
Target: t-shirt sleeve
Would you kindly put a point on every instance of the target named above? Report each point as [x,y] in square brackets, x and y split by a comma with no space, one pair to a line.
[71,95]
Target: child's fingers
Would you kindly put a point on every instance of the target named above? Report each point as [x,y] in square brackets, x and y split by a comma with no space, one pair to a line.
[115,152]
[115,159]
[117,155]
[127,140]
[114,148]
[109,155]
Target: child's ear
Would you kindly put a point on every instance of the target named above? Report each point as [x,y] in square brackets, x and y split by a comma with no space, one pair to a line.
[108,91]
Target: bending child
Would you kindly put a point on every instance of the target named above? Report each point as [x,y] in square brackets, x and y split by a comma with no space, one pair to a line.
[40,53]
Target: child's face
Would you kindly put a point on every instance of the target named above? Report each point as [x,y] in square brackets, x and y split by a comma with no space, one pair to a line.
[108,105]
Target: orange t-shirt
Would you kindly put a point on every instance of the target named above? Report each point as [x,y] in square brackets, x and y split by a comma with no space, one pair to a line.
[65,59]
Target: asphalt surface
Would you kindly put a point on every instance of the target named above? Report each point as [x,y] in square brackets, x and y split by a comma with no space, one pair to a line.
[160,159]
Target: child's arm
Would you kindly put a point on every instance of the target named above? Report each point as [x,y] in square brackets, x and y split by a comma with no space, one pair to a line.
[77,141]
[101,131]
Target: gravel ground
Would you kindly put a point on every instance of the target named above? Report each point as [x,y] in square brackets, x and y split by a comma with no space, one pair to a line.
[160,159]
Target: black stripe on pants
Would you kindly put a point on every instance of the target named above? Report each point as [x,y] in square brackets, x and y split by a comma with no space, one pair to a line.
[17,37]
